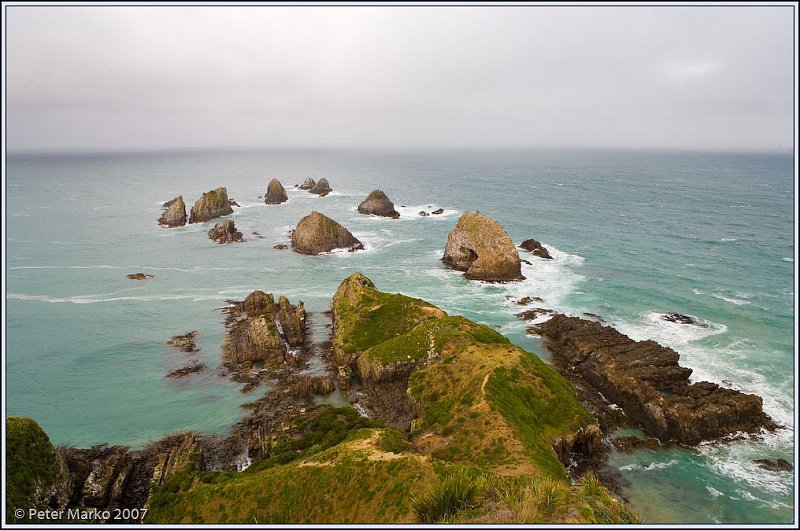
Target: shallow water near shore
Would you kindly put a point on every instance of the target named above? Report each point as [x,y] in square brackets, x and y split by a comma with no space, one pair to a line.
[633,236]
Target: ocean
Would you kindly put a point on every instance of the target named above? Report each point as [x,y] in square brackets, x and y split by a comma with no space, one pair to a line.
[633,235]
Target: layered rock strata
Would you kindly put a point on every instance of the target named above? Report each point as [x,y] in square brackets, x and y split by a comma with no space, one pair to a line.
[646,381]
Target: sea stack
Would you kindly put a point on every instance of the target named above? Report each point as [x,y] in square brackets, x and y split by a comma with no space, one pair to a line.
[307,184]
[480,247]
[225,232]
[174,213]
[377,203]
[321,188]
[276,193]
[211,205]
[316,233]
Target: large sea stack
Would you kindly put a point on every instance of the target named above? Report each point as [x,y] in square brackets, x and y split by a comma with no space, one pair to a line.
[377,203]
[317,233]
[321,188]
[307,184]
[211,205]
[174,213]
[225,232]
[276,193]
[480,247]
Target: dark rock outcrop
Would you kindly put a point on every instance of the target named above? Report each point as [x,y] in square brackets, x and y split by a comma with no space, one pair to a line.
[682,319]
[276,193]
[530,314]
[185,342]
[423,213]
[317,233]
[479,246]
[259,330]
[438,211]
[280,246]
[174,213]
[187,370]
[307,184]
[377,203]
[774,465]
[212,204]
[646,381]
[535,248]
[225,232]
[312,385]
[140,276]
[321,188]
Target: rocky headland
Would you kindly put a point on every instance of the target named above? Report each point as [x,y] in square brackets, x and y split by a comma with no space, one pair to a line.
[480,247]
[225,232]
[276,193]
[377,203]
[174,213]
[212,204]
[317,233]
[321,187]
[647,382]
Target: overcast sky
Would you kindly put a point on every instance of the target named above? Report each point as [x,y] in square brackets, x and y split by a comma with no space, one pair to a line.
[82,78]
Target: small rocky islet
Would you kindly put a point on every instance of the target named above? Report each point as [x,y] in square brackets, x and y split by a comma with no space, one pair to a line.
[377,203]
[443,392]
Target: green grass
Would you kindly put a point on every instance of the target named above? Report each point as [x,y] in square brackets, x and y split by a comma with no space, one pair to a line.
[32,464]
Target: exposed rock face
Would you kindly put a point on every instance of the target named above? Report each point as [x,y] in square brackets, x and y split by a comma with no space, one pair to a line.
[311,385]
[479,246]
[535,248]
[258,329]
[645,379]
[174,213]
[377,203]
[317,233]
[321,188]
[276,193]
[307,184]
[211,205]
[225,232]
[140,276]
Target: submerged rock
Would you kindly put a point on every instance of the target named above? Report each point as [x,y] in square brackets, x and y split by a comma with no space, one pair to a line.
[317,233]
[174,213]
[140,276]
[187,370]
[479,246]
[211,205]
[225,232]
[645,379]
[276,193]
[535,248]
[377,203]
[259,330]
[280,246]
[307,184]
[321,188]
[682,319]
[774,465]
[185,342]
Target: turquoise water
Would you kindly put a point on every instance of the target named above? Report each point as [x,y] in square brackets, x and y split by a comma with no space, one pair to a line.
[633,235]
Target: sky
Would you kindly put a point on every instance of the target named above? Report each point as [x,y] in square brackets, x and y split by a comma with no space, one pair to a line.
[655,77]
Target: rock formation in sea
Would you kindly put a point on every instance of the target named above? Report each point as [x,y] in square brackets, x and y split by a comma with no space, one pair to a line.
[535,248]
[377,203]
[276,193]
[682,319]
[646,381]
[317,233]
[225,232]
[321,188]
[259,330]
[187,370]
[211,205]
[185,342]
[174,213]
[307,184]
[438,211]
[280,246]
[140,276]
[479,246]
[423,213]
